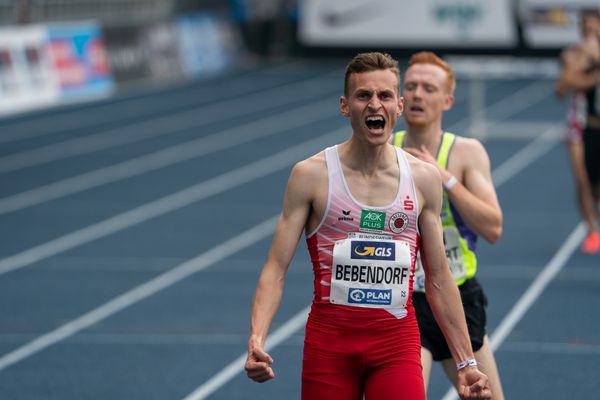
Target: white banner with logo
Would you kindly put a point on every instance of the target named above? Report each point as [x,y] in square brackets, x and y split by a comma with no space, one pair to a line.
[552,23]
[44,65]
[27,78]
[410,23]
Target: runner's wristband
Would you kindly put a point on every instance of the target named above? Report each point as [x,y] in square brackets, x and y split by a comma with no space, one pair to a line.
[471,362]
[451,182]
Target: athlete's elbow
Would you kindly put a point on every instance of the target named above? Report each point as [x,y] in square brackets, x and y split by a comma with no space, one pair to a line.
[493,234]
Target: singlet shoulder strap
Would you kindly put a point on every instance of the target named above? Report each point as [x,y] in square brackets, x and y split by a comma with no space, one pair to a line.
[443,152]
[445,147]
[399,138]
[330,159]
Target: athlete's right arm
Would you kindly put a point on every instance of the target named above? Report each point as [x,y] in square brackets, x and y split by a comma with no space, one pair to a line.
[296,209]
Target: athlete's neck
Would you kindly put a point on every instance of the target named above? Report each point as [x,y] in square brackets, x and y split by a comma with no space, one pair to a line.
[366,159]
[429,136]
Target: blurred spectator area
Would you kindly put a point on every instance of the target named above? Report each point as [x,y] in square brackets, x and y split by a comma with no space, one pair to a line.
[78,50]
[108,12]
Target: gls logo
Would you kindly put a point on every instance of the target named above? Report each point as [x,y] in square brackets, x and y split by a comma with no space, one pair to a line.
[373,250]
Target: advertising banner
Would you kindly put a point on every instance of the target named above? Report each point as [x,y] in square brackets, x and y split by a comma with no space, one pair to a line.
[208,43]
[27,77]
[159,44]
[552,23]
[80,60]
[397,23]
[127,57]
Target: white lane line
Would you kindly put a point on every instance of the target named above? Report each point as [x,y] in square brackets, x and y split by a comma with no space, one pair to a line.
[521,99]
[160,159]
[533,292]
[168,156]
[157,339]
[134,104]
[506,107]
[525,131]
[226,374]
[161,282]
[571,349]
[519,161]
[502,174]
[175,122]
[537,287]
[182,198]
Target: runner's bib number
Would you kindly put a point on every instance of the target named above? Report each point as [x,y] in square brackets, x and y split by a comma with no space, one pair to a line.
[454,255]
[370,270]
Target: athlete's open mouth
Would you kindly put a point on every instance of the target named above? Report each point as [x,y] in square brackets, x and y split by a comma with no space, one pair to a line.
[416,108]
[375,122]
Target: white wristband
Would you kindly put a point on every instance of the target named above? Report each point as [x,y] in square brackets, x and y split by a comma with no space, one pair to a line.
[451,182]
[467,363]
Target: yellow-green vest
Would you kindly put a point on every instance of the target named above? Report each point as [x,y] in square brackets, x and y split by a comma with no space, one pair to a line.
[458,246]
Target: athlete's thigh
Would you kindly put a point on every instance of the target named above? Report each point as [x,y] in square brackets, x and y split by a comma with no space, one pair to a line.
[396,382]
[330,376]
[332,366]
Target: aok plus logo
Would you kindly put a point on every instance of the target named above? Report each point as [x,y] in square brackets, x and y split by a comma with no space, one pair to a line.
[373,250]
[372,221]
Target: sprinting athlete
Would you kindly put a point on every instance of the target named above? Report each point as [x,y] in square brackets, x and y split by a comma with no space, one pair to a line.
[365,207]
[470,209]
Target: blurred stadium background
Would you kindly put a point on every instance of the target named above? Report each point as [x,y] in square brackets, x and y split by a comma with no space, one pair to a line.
[58,51]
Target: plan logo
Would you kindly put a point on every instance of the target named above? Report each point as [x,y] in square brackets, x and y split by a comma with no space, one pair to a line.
[370,296]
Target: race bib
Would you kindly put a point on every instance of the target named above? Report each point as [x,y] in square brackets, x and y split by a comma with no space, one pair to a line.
[454,255]
[370,270]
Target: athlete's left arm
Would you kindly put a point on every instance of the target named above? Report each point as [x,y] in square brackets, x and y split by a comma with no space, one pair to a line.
[441,290]
[474,195]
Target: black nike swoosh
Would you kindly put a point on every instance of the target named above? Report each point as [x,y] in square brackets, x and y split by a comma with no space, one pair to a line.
[337,18]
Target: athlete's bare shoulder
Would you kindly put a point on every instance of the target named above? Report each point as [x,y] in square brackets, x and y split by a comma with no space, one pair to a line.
[468,144]
[468,152]
[423,171]
[309,175]
[311,167]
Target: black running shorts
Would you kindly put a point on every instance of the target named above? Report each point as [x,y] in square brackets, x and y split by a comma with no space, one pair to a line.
[474,303]
[591,144]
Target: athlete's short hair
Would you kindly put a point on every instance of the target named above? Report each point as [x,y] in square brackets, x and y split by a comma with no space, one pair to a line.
[428,57]
[367,62]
